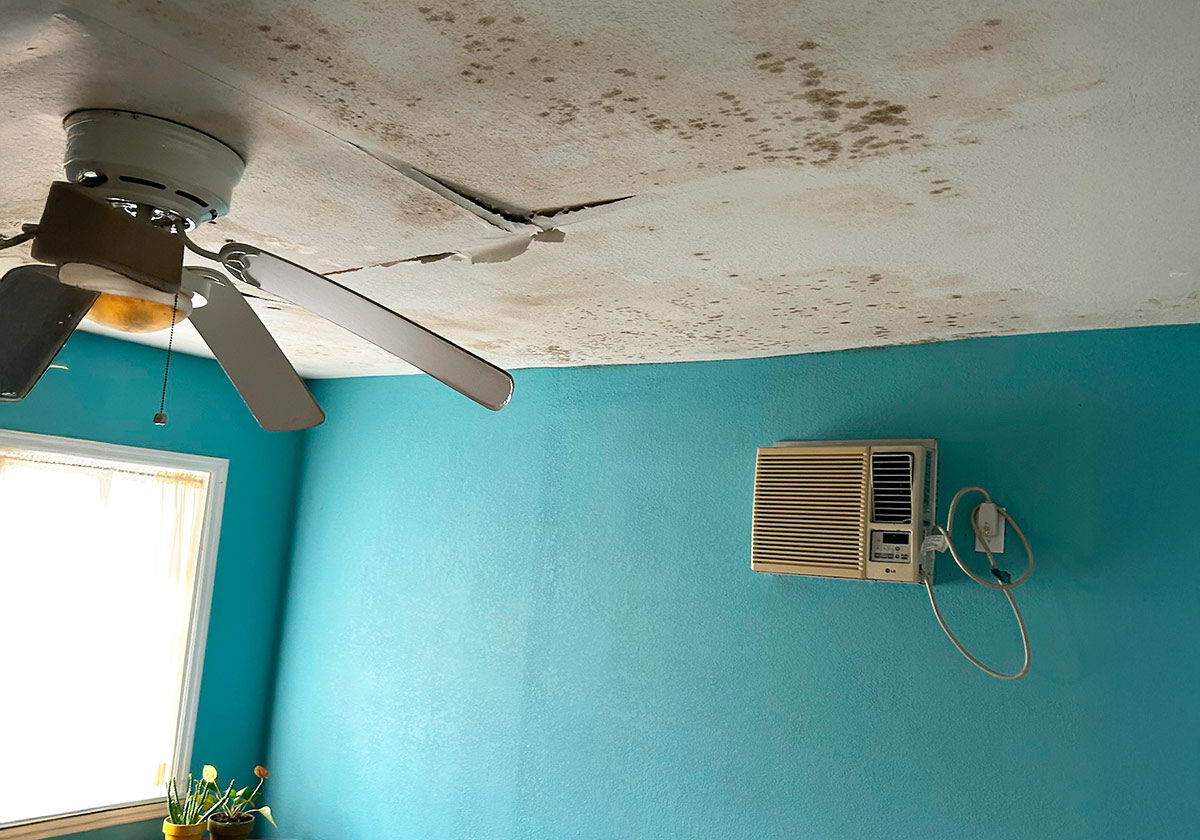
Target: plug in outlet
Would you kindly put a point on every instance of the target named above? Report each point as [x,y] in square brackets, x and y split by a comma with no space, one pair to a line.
[991,526]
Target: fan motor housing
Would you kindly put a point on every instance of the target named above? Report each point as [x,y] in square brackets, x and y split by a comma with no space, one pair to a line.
[139,161]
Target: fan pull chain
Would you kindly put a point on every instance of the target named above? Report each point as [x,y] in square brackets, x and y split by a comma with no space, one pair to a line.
[160,419]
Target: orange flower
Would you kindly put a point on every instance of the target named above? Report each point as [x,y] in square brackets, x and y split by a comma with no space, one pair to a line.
[261,771]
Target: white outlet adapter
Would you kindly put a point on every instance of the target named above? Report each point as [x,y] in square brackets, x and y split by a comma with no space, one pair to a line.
[991,526]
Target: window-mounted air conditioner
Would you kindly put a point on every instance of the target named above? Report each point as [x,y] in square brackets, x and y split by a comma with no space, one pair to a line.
[846,509]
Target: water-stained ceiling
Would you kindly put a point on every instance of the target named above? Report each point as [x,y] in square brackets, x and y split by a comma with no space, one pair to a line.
[804,176]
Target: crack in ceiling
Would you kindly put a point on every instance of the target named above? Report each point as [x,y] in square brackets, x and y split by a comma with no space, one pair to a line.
[504,215]
[521,227]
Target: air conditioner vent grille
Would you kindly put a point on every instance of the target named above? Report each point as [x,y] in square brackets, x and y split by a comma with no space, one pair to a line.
[891,487]
[810,510]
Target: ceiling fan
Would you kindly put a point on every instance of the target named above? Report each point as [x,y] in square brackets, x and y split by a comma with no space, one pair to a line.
[111,243]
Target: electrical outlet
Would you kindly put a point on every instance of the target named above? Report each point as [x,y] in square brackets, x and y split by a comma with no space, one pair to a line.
[991,526]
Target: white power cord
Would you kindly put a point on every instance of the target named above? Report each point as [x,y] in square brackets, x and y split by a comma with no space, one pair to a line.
[941,540]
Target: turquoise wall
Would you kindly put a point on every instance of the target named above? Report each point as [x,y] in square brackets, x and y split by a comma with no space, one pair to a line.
[110,394]
[542,623]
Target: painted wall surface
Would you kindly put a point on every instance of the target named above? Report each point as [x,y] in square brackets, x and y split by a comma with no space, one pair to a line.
[543,624]
[111,393]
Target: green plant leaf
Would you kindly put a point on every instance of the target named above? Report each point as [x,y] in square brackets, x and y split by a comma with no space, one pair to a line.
[173,809]
[266,812]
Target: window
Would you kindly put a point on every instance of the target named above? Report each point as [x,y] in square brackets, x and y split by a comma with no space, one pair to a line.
[107,556]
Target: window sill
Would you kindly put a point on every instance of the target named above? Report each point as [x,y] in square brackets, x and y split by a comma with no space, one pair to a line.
[87,821]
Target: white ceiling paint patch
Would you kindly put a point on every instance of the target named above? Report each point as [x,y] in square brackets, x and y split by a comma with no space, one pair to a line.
[807,176]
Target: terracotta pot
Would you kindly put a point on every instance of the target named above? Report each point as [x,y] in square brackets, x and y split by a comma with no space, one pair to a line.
[183,832]
[230,830]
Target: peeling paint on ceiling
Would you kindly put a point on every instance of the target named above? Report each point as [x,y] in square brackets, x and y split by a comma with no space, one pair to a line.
[807,177]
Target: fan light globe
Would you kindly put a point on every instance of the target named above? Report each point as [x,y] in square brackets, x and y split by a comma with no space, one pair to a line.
[124,304]
[131,315]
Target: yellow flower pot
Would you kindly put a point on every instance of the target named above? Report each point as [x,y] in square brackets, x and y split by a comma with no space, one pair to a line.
[183,832]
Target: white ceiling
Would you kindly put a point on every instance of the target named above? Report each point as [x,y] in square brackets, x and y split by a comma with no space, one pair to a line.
[807,176]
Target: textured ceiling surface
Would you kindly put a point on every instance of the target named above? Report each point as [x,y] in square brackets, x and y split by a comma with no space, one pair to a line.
[805,176]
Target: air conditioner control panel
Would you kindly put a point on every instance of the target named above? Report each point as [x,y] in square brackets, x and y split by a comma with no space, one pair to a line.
[891,556]
[891,546]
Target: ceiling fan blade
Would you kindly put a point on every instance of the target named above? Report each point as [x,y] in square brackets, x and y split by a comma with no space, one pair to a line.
[37,316]
[78,227]
[442,359]
[258,369]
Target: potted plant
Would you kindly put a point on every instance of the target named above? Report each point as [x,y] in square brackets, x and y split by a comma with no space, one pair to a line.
[231,813]
[187,814]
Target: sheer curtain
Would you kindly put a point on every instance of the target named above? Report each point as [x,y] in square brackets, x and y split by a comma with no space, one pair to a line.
[97,572]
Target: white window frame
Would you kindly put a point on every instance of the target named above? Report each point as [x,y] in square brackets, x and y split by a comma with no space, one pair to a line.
[206,566]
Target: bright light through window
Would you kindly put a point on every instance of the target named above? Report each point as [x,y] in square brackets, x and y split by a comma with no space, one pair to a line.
[104,581]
